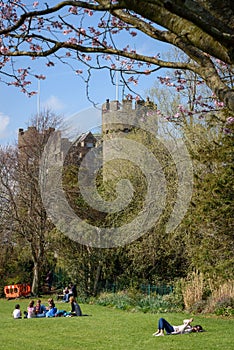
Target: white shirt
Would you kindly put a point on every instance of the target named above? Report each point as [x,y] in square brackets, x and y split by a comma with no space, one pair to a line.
[184,328]
[17,313]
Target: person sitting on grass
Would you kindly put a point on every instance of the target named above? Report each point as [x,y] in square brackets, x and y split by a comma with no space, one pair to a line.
[186,327]
[66,295]
[40,309]
[75,307]
[51,309]
[31,310]
[17,312]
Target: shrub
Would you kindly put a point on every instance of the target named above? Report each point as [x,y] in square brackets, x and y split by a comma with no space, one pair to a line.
[198,307]
[221,301]
[120,300]
[151,304]
[192,289]
[139,302]
[224,307]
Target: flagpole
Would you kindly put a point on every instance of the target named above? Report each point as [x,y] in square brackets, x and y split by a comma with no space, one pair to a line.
[38,102]
[117,86]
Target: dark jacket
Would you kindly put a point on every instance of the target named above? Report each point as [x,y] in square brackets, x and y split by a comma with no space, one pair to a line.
[76,309]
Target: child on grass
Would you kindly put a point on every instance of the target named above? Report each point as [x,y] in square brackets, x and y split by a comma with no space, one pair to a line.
[17,312]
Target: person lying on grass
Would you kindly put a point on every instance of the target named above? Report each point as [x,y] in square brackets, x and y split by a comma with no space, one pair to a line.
[186,327]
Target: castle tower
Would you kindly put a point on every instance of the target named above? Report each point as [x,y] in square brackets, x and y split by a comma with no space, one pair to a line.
[123,120]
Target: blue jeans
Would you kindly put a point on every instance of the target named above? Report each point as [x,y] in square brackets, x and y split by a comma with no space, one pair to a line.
[51,312]
[163,324]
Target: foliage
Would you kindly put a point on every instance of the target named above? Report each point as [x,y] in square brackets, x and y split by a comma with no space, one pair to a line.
[209,222]
[207,228]
[225,307]
[137,302]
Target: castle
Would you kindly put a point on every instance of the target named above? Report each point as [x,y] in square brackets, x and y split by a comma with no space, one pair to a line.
[118,118]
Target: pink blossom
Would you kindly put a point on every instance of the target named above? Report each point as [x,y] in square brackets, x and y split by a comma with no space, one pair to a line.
[133,80]
[87,58]
[218,103]
[89,12]
[67,31]
[227,131]
[50,64]
[102,24]
[95,41]
[15,83]
[72,41]
[36,3]
[32,93]
[73,10]
[24,27]
[230,120]
[4,50]
[41,77]
[41,21]
[82,31]
[35,47]
[25,83]
[125,49]
[57,24]
[181,108]
[180,87]
[129,97]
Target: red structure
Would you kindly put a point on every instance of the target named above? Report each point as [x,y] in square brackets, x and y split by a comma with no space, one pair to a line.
[17,290]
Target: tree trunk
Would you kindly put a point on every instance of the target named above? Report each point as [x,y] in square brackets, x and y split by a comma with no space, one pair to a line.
[35,283]
[97,277]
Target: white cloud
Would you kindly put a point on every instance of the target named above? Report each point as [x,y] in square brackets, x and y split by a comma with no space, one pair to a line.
[53,104]
[4,121]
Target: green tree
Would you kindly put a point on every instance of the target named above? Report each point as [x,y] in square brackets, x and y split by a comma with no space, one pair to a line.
[206,230]
[209,224]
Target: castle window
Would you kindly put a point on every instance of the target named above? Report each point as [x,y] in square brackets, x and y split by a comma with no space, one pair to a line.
[89,144]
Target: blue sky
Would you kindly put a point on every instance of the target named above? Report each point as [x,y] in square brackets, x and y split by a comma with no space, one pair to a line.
[64,93]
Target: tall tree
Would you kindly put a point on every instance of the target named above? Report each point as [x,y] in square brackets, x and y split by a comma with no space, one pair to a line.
[19,178]
[202,29]
[207,228]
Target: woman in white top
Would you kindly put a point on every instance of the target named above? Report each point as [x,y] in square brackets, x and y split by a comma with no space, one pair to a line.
[181,329]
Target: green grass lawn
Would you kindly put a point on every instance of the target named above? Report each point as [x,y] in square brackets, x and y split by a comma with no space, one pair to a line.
[107,329]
